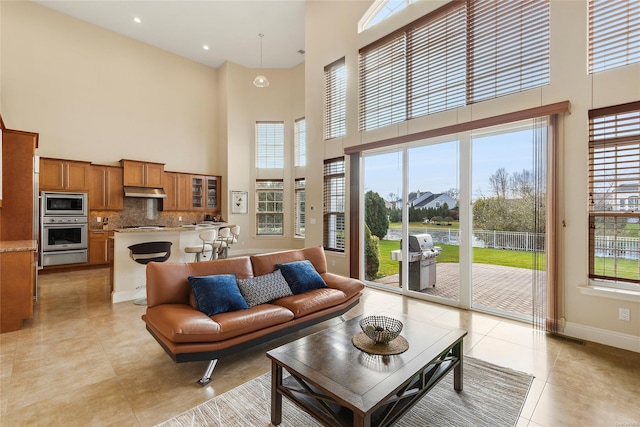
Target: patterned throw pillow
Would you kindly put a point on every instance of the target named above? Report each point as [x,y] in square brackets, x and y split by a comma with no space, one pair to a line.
[217,294]
[265,288]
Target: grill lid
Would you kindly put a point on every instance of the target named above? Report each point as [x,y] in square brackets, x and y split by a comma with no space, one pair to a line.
[420,242]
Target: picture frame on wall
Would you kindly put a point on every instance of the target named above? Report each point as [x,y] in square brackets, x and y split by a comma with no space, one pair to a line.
[239,202]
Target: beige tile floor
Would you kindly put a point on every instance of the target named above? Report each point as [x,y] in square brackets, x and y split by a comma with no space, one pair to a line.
[83,361]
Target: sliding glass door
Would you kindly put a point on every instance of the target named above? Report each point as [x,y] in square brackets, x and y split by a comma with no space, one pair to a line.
[472,211]
[509,209]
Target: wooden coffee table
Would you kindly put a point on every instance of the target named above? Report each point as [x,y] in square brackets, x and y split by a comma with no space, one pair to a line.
[340,385]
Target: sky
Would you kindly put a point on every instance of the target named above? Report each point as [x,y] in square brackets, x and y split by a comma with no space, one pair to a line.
[435,168]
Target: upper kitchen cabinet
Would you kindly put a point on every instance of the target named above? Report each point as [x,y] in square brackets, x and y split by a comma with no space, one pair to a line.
[176,185]
[213,193]
[205,194]
[64,175]
[142,174]
[19,187]
[106,191]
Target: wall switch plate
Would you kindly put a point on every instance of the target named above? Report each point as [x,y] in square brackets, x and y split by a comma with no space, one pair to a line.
[99,219]
[179,218]
[623,314]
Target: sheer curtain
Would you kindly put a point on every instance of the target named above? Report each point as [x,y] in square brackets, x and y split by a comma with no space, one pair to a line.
[545,277]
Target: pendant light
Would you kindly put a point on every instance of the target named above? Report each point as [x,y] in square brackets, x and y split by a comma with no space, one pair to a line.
[260,80]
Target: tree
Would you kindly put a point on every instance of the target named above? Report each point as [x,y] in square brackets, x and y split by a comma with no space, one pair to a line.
[375,214]
[500,182]
[371,255]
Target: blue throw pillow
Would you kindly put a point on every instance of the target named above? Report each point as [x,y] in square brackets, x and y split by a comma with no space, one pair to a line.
[301,276]
[217,294]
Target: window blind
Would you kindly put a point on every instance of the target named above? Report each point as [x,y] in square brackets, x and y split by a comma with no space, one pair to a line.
[614,34]
[299,224]
[335,100]
[614,187]
[300,142]
[382,84]
[464,52]
[269,145]
[509,47]
[436,63]
[334,204]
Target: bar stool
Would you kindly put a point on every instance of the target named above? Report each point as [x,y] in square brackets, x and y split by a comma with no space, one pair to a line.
[235,233]
[144,253]
[224,239]
[208,238]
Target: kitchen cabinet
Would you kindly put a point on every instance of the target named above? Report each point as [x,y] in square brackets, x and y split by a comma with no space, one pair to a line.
[17,283]
[177,187]
[142,174]
[205,194]
[18,201]
[64,175]
[106,191]
[197,192]
[213,193]
[99,247]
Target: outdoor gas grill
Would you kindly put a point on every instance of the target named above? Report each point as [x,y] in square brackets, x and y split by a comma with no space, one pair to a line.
[422,261]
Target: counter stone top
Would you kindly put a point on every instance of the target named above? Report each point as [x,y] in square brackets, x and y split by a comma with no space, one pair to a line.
[173,229]
[19,246]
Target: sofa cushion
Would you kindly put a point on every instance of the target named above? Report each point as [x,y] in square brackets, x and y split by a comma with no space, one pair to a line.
[180,323]
[301,276]
[312,301]
[262,289]
[217,293]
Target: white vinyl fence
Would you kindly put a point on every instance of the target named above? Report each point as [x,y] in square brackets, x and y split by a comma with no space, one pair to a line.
[622,247]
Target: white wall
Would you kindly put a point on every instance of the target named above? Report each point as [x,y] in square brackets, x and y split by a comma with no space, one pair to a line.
[97,96]
[281,101]
[331,33]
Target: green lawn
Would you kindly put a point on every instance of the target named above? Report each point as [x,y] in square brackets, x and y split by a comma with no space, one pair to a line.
[450,253]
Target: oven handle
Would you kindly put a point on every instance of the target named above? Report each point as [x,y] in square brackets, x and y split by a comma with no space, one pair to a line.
[66,251]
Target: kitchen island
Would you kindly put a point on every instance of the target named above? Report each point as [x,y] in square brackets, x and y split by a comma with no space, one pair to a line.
[129,277]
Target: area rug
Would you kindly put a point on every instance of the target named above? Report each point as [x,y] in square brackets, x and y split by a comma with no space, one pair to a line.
[493,396]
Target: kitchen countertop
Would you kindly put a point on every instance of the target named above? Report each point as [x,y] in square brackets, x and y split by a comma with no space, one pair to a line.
[161,229]
[18,246]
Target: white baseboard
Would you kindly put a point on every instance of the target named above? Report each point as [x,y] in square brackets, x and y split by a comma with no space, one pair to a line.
[603,336]
[128,295]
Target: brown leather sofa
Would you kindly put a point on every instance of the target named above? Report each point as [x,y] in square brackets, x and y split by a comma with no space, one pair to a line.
[187,334]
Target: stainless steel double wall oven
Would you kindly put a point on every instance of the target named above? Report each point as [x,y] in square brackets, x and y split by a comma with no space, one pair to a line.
[63,228]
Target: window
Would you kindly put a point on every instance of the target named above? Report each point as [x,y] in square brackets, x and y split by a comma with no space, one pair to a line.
[299,207]
[381,10]
[300,142]
[614,177]
[614,34]
[334,204]
[269,207]
[335,84]
[461,53]
[269,145]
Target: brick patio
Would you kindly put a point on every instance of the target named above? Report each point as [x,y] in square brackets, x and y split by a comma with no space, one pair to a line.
[504,288]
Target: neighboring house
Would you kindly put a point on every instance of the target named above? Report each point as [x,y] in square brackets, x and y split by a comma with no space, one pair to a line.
[628,197]
[435,201]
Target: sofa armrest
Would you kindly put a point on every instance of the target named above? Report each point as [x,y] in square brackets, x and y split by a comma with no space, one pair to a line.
[349,286]
[182,323]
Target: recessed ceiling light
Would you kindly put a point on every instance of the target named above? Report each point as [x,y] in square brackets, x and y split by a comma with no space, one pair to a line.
[205,47]
[137,20]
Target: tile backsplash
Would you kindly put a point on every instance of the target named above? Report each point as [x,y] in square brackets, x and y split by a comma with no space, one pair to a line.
[138,211]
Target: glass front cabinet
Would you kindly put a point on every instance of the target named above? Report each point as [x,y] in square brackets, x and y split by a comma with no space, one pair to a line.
[205,193]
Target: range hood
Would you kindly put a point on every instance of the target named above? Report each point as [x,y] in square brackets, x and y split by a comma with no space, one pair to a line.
[144,192]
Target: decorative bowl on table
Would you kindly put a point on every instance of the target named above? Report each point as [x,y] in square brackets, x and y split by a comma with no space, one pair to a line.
[381,329]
